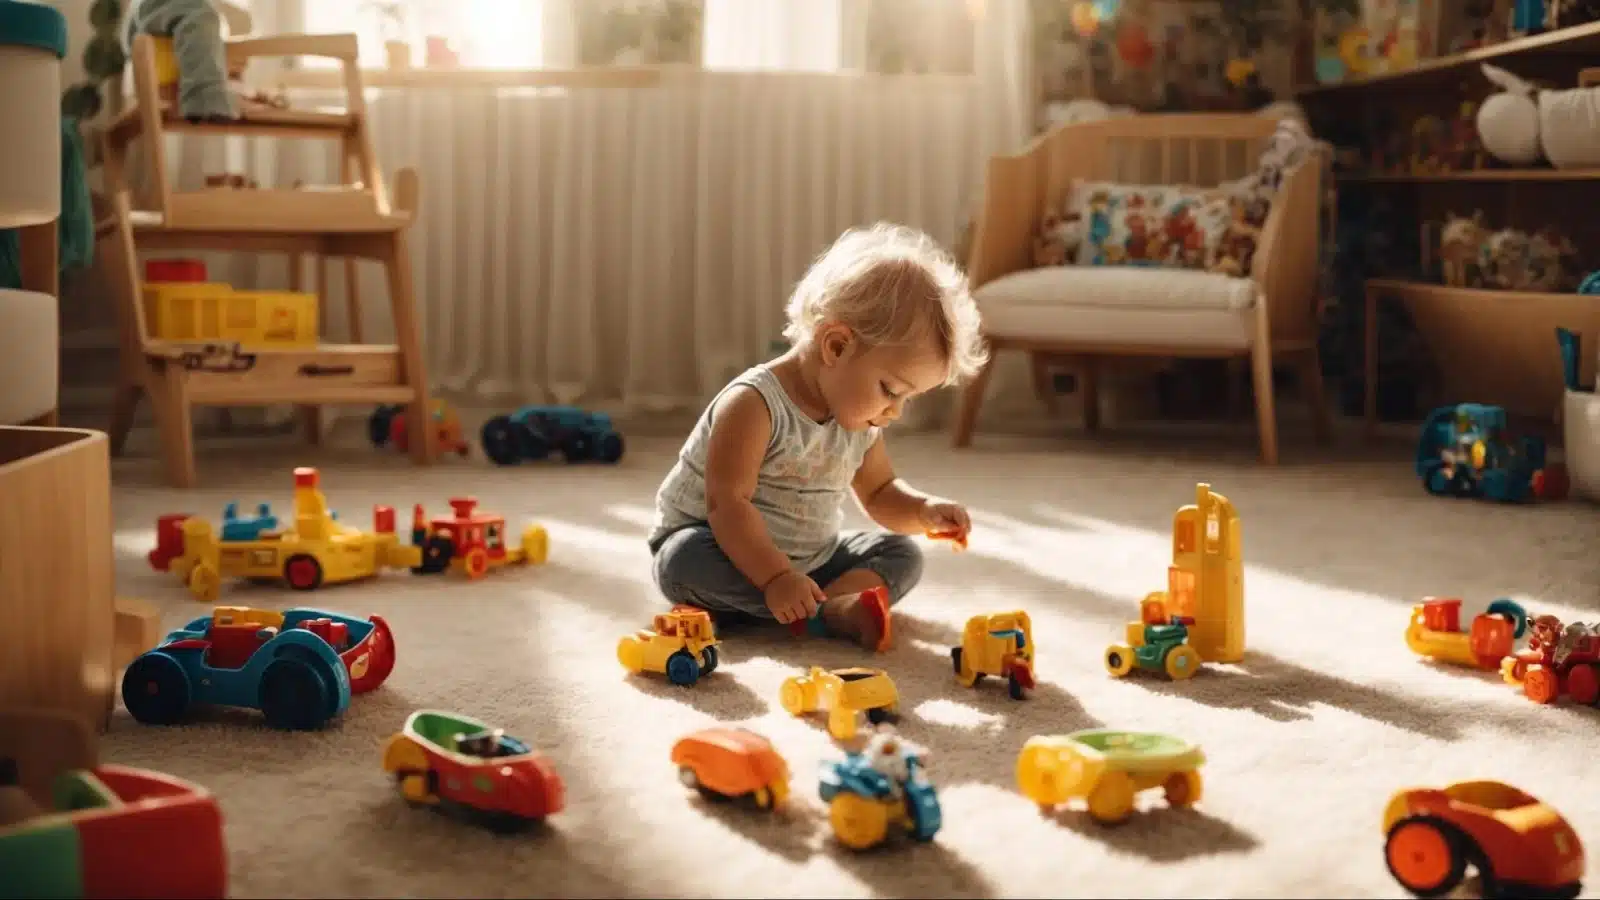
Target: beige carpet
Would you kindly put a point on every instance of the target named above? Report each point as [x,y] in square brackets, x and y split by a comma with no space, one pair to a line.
[1306,740]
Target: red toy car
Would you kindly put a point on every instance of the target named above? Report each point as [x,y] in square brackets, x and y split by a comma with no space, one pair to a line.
[449,761]
[1558,660]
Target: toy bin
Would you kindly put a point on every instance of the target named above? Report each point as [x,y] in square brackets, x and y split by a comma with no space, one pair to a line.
[207,311]
[1580,426]
[33,39]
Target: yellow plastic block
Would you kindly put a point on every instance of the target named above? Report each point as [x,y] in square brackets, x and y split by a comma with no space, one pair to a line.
[166,62]
[188,312]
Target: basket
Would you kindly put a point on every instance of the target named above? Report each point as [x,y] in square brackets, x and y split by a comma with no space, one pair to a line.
[1569,127]
[1580,431]
[33,39]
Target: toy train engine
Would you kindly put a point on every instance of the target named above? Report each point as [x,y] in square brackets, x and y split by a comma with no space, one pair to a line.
[474,540]
[534,432]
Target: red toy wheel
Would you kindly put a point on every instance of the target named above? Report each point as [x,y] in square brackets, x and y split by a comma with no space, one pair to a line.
[1423,858]
[476,562]
[303,572]
[1541,685]
[1583,684]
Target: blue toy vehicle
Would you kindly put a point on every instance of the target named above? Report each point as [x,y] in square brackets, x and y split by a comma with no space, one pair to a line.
[292,675]
[240,528]
[534,432]
[864,802]
[1464,452]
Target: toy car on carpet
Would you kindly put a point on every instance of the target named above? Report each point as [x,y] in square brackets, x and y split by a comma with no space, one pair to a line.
[534,432]
[1465,451]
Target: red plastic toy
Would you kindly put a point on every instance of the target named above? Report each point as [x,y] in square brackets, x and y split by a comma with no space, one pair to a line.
[175,270]
[1558,660]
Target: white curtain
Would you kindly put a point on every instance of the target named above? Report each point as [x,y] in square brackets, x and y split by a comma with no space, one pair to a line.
[791,35]
[633,247]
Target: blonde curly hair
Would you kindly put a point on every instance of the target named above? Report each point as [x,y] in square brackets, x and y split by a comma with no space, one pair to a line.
[891,285]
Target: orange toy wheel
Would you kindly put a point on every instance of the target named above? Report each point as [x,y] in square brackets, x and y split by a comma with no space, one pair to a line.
[1541,685]
[1424,858]
[476,562]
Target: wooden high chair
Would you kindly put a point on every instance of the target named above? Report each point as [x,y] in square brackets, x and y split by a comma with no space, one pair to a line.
[354,220]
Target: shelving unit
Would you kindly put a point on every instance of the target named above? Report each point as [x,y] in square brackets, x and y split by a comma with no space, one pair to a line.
[352,220]
[1491,346]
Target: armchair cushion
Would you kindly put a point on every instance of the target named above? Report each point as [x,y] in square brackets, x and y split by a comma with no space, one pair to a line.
[1120,305]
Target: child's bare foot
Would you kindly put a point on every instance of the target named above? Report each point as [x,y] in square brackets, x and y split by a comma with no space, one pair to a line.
[863,618]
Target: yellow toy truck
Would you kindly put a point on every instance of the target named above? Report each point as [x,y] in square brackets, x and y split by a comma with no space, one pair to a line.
[998,644]
[1107,769]
[1200,617]
[681,644]
[845,694]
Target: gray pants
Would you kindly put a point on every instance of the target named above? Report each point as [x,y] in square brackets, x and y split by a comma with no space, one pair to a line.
[690,568]
[196,30]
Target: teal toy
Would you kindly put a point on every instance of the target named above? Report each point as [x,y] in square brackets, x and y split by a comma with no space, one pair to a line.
[1464,450]
[1158,642]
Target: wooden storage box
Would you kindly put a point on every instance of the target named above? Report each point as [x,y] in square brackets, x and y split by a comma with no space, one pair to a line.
[57,609]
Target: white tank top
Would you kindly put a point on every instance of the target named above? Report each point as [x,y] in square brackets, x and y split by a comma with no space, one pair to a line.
[804,479]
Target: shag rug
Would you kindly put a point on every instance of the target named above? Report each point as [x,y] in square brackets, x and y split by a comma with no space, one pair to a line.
[1306,740]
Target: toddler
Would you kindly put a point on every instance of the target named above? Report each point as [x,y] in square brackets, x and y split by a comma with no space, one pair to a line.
[748,520]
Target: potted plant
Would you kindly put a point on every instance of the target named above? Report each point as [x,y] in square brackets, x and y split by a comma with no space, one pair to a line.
[391,17]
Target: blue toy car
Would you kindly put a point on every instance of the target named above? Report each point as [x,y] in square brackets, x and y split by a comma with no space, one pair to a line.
[1464,451]
[534,432]
[864,803]
[293,676]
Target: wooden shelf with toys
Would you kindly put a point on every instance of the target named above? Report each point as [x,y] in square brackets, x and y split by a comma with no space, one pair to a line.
[1463,196]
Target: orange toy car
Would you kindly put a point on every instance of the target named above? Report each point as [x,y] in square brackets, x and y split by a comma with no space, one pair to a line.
[733,763]
[1520,846]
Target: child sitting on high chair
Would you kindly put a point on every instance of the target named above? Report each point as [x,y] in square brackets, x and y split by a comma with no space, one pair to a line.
[748,520]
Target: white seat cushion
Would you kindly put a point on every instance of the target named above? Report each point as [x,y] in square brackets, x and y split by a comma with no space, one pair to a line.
[1120,305]
[30,354]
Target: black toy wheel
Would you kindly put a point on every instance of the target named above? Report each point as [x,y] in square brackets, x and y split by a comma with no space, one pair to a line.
[155,689]
[955,659]
[879,716]
[379,423]
[708,660]
[577,447]
[535,439]
[1425,855]
[303,572]
[500,441]
[1014,687]
[293,695]
[437,551]
[609,448]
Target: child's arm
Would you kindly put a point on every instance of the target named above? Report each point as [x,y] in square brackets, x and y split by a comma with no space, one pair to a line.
[741,426]
[884,497]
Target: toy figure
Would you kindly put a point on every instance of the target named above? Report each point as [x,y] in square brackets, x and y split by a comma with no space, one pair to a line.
[1427,136]
[1466,152]
[1460,246]
[198,32]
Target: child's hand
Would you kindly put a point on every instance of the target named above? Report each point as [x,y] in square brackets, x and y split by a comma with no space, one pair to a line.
[945,519]
[793,597]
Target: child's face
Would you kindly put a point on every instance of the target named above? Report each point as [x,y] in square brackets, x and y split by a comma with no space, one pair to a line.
[869,386]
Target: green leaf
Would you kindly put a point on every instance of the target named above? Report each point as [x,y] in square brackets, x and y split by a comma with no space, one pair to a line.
[105,14]
[81,101]
[103,57]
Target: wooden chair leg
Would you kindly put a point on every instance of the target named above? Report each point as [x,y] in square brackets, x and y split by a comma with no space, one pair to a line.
[1266,408]
[175,421]
[310,415]
[1044,380]
[1316,396]
[971,400]
[124,405]
[1089,390]
[423,438]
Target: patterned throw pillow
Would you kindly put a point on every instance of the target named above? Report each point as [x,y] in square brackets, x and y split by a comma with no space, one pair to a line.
[1168,226]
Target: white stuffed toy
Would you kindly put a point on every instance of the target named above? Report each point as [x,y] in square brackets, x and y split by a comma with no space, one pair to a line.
[1508,122]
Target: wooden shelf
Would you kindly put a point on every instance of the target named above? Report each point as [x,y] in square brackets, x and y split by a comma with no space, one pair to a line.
[330,373]
[1579,39]
[1482,175]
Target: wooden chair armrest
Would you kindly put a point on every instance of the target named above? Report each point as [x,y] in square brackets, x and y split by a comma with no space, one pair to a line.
[1288,254]
[1002,237]
[329,46]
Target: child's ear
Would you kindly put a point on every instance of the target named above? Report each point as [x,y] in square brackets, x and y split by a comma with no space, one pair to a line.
[835,344]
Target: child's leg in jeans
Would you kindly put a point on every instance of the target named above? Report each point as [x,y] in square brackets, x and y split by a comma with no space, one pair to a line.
[690,568]
[865,560]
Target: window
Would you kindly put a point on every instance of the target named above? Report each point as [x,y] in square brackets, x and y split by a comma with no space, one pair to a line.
[479,34]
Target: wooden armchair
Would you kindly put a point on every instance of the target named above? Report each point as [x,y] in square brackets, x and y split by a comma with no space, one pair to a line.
[1080,315]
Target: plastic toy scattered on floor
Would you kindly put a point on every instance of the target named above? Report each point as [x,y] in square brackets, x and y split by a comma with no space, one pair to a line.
[112,833]
[998,644]
[534,432]
[314,548]
[1465,451]
[844,694]
[957,539]
[1559,660]
[874,600]
[459,765]
[732,764]
[292,675]
[1199,618]
[1107,769]
[1435,632]
[881,789]
[366,646]
[387,426]
[1519,846]
[681,644]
